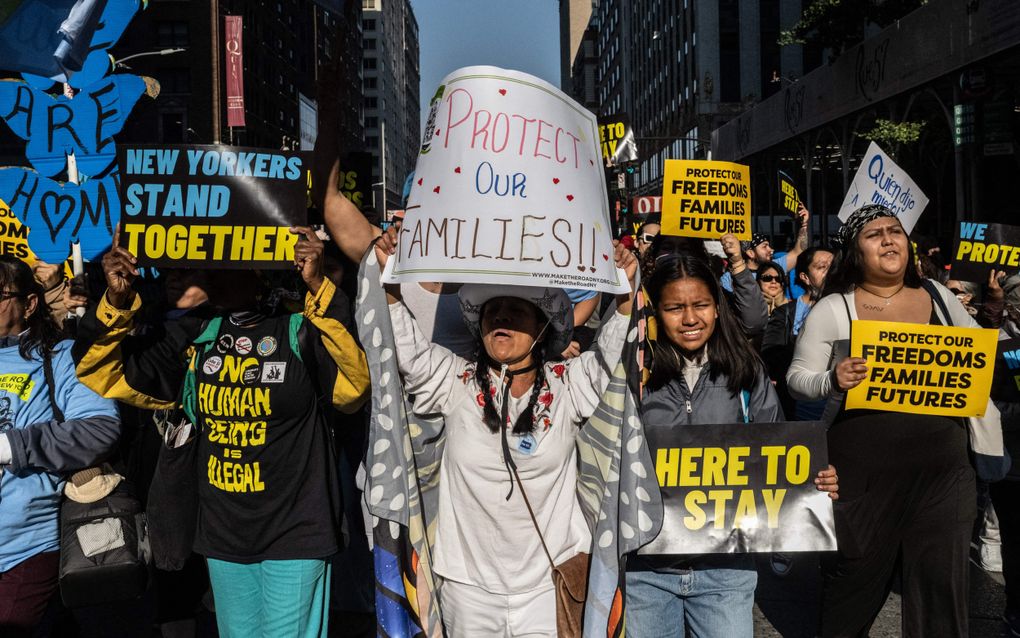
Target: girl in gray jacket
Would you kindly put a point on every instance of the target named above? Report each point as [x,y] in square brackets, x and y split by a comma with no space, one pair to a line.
[702,365]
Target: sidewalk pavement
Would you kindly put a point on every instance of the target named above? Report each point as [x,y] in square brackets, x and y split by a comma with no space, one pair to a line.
[788,606]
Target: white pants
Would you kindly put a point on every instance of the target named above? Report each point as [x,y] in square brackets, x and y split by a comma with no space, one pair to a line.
[472,612]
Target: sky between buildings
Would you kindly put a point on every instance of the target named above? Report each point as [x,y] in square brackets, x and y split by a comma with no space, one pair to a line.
[514,34]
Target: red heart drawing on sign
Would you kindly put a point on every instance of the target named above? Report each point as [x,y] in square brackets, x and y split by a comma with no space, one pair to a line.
[605,256]
[580,268]
[502,91]
[556,180]
[457,170]
[437,132]
[435,190]
[570,198]
[591,268]
[419,181]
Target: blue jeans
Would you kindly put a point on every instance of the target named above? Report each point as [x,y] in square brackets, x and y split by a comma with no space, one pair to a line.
[710,602]
[271,598]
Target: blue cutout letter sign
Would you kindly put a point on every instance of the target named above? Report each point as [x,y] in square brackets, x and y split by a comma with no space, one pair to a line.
[55,127]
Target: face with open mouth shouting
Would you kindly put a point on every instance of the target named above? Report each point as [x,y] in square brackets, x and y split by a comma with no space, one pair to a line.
[883,248]
[509,328]
[687,314]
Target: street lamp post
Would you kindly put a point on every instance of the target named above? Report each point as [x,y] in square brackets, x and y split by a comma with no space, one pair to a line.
[119,64]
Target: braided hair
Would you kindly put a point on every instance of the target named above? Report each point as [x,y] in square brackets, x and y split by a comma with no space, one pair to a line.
[526,419]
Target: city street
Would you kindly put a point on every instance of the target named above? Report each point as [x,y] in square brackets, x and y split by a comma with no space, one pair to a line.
[787,606]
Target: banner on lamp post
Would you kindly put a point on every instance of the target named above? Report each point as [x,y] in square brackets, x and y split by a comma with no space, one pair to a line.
[235,71]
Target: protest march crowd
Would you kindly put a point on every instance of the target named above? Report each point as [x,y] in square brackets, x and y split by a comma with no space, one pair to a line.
[273,424]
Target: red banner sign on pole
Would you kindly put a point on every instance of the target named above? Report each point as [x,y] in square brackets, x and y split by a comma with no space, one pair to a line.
[235,71]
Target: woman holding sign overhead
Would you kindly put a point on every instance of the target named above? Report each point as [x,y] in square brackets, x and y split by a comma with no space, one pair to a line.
[907,498]
[703,372]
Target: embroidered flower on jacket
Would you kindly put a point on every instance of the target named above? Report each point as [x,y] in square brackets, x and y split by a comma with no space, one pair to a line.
[546,399]
[546,423]
[559,369]
[466,375]
[480,398]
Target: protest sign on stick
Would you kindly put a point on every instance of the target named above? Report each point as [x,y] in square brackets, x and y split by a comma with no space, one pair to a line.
[212,206]
[740,488]
[880,181]
[917,368]
[706,199]
[981,248]
[509,189]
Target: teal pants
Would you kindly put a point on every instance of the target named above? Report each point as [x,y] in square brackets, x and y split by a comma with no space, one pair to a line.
[271,599]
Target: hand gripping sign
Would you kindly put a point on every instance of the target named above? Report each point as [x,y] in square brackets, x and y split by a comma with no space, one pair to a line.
[508,189]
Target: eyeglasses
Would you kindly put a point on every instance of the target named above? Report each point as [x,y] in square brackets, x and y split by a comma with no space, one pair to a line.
[4,296]
[770,278]
[645,238]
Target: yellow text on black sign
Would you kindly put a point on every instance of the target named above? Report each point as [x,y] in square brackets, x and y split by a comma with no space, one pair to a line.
[210,242]
[720,489]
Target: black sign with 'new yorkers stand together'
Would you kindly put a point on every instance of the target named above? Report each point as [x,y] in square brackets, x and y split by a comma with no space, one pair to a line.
[212,206]
[740,488]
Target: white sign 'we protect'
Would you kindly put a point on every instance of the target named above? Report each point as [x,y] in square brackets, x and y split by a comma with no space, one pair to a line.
[508,189]
[880,181]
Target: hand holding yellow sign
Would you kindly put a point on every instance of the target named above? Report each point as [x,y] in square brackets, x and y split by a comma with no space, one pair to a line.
[706,199]
[916,368]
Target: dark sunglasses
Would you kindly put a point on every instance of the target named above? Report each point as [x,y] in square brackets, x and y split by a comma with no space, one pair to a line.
[770,278]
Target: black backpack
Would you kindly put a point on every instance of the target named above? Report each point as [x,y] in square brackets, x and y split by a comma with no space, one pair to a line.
[104,547]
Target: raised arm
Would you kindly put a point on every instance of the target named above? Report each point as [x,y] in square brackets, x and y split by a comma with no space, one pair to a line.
[347,226]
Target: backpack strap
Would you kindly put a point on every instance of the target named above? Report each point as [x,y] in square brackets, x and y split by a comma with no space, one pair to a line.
[204,342]
[51,390]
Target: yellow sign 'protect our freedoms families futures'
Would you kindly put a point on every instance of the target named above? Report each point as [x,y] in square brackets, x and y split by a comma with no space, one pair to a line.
[706,199]
[924,369]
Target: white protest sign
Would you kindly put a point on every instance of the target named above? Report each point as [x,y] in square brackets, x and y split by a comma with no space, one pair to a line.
[880,181]
[508,189]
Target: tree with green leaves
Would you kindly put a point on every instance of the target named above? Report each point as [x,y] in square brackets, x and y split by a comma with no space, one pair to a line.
[839,24]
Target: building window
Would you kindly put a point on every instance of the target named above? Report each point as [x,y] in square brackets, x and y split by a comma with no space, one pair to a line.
[371,122]
[172,34]
[371,102]
[371,83]
[172,128]
[174,81]
[368,25]
[371,141]
[368,43]
[368,63]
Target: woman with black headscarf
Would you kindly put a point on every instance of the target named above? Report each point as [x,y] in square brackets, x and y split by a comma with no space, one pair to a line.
[907,489]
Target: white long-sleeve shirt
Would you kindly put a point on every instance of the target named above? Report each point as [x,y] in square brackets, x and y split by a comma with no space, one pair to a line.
[482,539]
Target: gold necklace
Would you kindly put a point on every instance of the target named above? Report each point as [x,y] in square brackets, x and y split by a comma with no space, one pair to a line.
[888,300]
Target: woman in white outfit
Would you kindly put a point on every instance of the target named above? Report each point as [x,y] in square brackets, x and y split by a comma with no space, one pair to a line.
[496,576]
